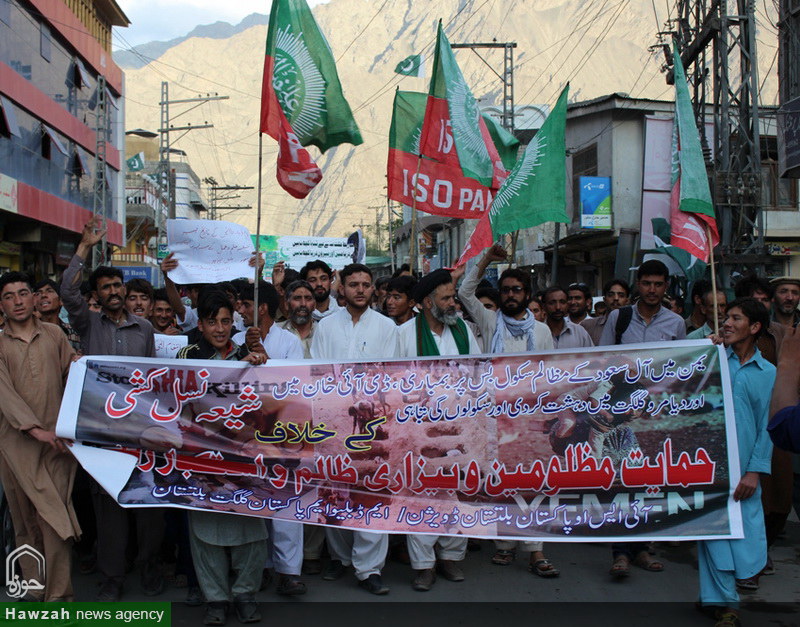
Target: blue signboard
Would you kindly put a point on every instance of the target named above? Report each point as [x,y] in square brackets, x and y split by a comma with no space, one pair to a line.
[595,202]
[137,272]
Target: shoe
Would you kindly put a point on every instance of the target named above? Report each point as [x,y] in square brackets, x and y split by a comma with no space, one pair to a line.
[424,580]
[502,557]
[246,609]
[312,567]
[110,590]
[450,570]
[748,585]
[216,613]
[194,596]
[728,619]
[544,568]
[621,567]
[769,569]
[374,585]
[334,571]
[290,586]
[152,580]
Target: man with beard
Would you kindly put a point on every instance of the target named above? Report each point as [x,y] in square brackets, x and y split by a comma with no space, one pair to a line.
[512,329]
[299,298]
[139,297]
[319,277]
[356,332]
[438,330]
[786,300]
[616,294]
[48,305]
[277,342]
[579,302]
[113,331]
[566,333]
[36,470]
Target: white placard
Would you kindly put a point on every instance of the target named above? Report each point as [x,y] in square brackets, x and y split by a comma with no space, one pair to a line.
[167,346]
[209,251]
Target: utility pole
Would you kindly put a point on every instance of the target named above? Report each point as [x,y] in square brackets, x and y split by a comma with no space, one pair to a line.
[728,27]
[216,197]
[100,188]
[165,175]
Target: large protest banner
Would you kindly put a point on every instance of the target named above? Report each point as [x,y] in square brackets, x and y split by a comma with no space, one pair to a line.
[638,442]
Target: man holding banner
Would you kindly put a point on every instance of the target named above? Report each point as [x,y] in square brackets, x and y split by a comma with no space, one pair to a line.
[726,565]
[356,332]
[512,329]
[436,331]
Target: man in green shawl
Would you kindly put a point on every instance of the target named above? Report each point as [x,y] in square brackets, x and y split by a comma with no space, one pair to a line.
[437,331]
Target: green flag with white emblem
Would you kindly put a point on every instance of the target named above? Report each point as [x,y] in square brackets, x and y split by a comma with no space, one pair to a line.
[412,65]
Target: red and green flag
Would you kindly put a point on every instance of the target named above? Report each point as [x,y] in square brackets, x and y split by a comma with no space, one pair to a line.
[301,97]
[692,220]
[454,132]
[535,191]
[432,186]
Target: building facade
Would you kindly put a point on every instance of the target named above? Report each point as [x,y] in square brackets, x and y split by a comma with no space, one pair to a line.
[56,72]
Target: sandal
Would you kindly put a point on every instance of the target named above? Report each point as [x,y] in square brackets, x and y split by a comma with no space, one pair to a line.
[728,619]
[645,562]
[544,568]
[503,557]
[748,585]
[621,567]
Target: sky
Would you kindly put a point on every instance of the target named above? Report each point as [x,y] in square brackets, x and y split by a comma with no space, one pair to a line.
[161,20]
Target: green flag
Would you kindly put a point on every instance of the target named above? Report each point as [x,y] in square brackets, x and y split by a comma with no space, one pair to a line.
[135,163]
[535,191]
[412,65]
[454,131]
[507,145]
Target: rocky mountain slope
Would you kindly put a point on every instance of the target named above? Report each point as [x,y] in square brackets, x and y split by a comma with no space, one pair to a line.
[599,46]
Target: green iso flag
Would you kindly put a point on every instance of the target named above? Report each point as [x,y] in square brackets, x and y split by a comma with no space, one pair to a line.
[535,191]
[135,163]
[412,65]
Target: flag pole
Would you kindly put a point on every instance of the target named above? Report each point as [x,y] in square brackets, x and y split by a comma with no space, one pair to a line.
[414,247]
[514,237]
[258,232]
[713,281]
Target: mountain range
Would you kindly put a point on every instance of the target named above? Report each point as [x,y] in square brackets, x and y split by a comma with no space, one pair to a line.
[599,46]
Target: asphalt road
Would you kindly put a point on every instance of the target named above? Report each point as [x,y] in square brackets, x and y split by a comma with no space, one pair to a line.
[583,594]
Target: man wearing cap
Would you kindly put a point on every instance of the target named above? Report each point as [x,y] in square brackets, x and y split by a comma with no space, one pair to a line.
[438,330]
[785,301]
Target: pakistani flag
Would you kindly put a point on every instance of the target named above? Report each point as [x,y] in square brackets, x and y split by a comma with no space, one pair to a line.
[301,97]
[454,131]
[535,191]
[412,65]
[135,163]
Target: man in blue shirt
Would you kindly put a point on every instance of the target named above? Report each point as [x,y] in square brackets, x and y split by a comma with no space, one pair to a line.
[725,565]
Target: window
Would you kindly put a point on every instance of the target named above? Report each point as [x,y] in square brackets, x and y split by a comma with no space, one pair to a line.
[777,194]
[49,141]
[8,118]
[45,42]
[80,77]
[5,11]
[584,163]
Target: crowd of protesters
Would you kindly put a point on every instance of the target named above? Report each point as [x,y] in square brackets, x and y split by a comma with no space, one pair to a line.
[315,313]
